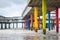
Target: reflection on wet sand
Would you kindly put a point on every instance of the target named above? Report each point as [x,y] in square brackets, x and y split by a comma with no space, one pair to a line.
[28,35]
[56,37]
[31,38]
[43,37]
[35,38]
[52,37]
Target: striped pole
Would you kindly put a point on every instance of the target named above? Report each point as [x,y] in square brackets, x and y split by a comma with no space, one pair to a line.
[35,18]
[49,20]
[57,25]
[44,15]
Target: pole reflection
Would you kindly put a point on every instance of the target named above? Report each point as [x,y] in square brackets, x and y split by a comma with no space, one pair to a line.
[44,37]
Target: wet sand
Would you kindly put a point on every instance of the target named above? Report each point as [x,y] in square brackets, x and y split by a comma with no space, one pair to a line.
[28,35]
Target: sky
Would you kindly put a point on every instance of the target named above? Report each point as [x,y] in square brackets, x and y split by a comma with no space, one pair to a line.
[11,8]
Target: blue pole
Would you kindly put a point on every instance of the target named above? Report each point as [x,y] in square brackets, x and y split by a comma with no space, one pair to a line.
[49,20]
[28,22]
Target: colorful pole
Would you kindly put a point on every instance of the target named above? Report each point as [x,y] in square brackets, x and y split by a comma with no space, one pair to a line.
[35,18]
[28,22]
[31,21]
[39,22]
[49,20]
[57,25]
[44,15]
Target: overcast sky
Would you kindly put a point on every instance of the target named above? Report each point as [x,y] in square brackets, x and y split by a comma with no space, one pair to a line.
[10,8]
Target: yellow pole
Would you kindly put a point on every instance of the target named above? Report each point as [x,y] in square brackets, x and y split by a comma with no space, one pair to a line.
[35,18]
[44,14]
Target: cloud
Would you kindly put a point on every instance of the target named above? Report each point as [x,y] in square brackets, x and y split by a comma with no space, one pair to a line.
[20,1]
[10,8]
[4,3]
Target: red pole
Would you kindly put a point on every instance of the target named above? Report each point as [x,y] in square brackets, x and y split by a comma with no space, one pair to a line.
[31,21]
[57,25]
[39,23]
